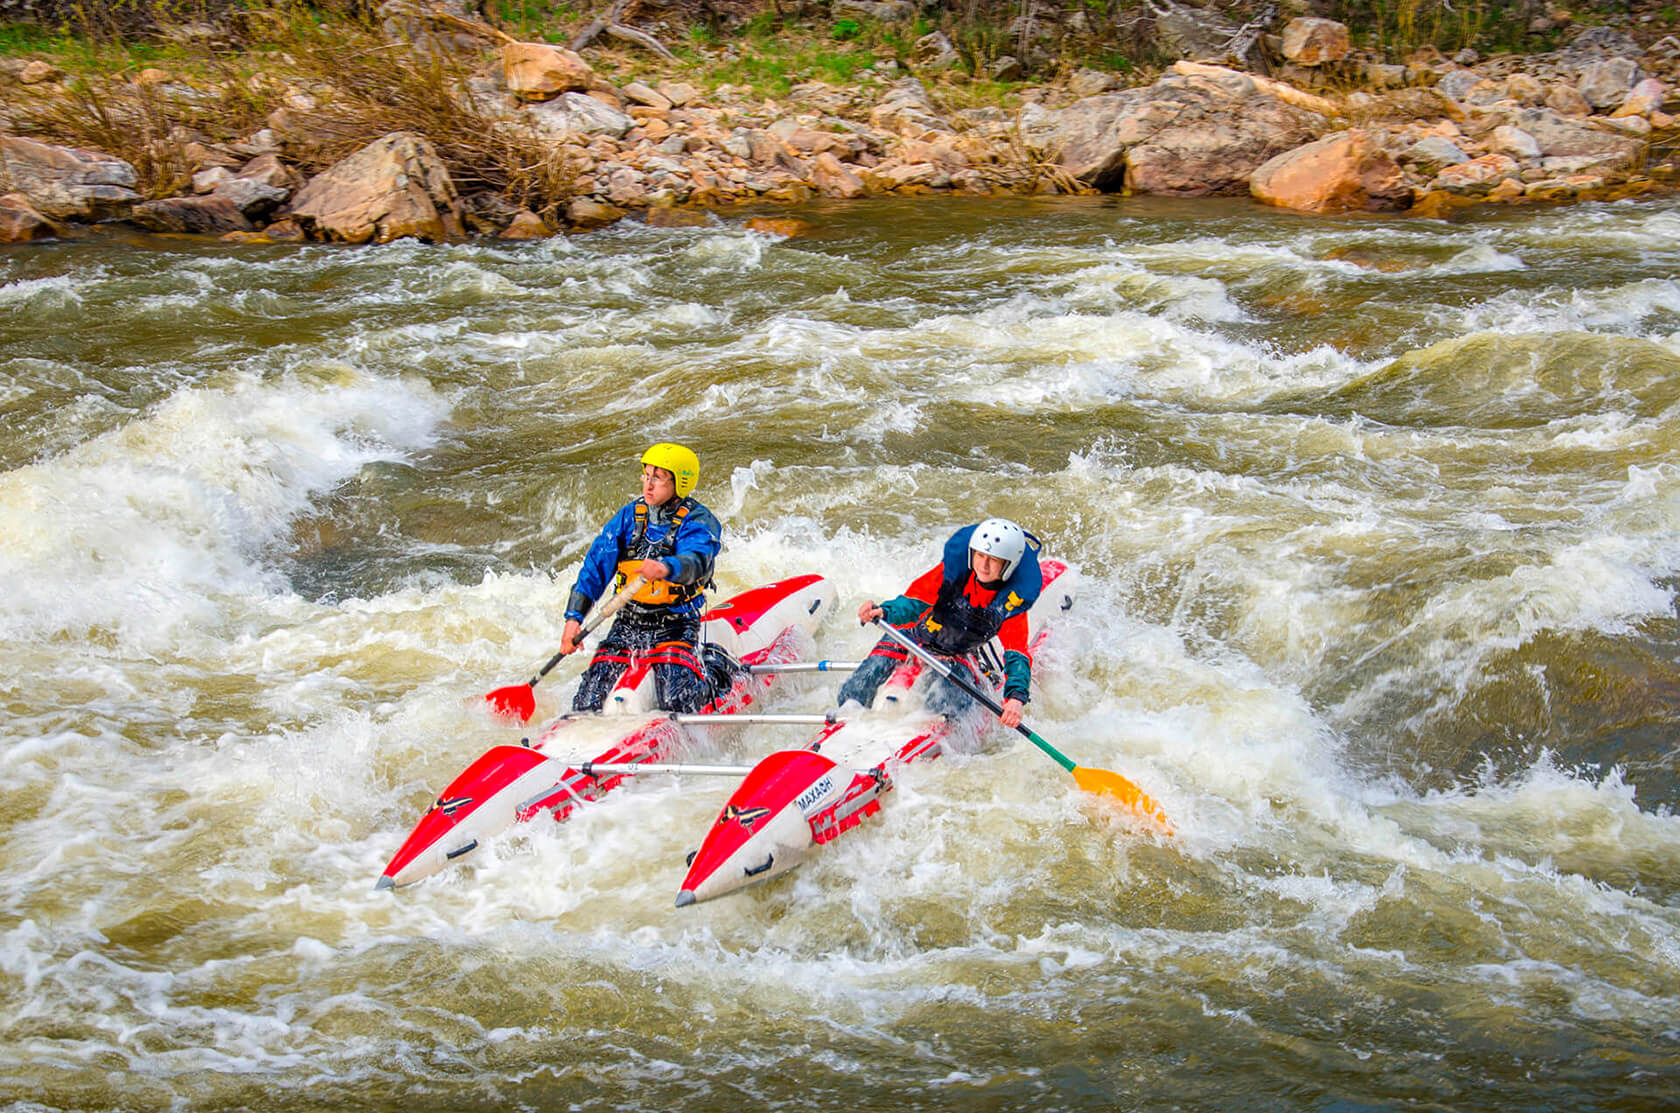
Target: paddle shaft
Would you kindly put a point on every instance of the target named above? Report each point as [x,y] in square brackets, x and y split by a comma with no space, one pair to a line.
[962,682]
[805,666]
[592,768]
[731,719]
[608,609]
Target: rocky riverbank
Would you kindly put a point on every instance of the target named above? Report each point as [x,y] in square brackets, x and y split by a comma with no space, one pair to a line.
[1592,121]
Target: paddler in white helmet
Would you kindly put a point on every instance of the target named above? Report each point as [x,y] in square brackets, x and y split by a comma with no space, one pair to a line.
[983,586]
[672,541]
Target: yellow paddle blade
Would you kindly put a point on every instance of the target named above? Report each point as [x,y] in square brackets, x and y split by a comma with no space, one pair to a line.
[1105,782]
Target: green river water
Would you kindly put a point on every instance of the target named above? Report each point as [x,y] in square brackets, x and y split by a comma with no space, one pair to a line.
[1377,530]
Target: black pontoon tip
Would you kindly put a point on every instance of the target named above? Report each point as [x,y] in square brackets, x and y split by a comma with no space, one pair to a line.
[685,898]
[384,883]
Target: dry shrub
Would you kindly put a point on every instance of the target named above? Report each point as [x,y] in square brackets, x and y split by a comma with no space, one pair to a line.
[367,87]
[361,85]
[147,125]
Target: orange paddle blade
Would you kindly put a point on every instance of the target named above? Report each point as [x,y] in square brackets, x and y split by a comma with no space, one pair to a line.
[516,701]
[1105,782]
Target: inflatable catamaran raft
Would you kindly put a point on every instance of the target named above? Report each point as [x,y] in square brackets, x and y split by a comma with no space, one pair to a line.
[788,803]
[767,629]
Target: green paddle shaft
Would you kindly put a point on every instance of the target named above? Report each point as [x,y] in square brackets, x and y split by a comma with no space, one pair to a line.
[950,674]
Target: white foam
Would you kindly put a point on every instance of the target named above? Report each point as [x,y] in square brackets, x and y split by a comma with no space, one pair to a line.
[144,529]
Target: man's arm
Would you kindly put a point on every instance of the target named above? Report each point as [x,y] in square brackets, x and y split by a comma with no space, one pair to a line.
[600,563]
[699,540]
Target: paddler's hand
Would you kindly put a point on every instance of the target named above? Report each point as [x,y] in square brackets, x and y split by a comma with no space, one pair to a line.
[869,612]
[572,636]
[654,570]
[1011,716]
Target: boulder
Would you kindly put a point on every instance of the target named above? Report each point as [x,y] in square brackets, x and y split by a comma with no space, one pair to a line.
[1309,41]
[1637,126]
[907,109]
[1458,83]
[627,186]
[1187,135]
[1644,99]
[1566,101]
[637,93]
[935,52]
[39,72]
[1525,89]
[395,186]
[1007,68]
[881,11]
[206,180]
[1434,152]
[576,114]
[679,93]
[667,216]
[1597,43]
[585,212]
[1516,142]
[778,226]
[892,175]
[1559,136]
[539,72]
[198,216]
[1342,173]
[253,198]
[1088,82]
[1414,104]
[258,143]
[834,179]
[416,23]
[65,183]
[1183,31]
[526,225]
[21,223]
[1607,84]
[268,170]
[1476,177]
[285,231]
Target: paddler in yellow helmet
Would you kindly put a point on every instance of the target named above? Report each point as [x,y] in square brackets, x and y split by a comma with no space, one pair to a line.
[672,541]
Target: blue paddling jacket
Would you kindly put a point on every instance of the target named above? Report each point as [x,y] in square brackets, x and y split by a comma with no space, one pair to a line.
[682,534]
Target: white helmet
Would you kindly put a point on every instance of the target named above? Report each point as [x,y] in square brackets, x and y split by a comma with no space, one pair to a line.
[1001,538]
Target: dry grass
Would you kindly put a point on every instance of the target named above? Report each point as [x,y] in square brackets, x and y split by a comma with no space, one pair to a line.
[340,86]
[146,124]
[367,87]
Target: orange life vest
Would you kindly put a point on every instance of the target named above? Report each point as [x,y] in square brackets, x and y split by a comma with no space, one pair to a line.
[639,548]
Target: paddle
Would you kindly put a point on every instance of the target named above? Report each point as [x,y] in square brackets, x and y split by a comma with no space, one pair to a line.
[1101,781]
[520,700]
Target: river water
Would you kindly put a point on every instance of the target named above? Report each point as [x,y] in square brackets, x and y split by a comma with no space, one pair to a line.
[1377,524]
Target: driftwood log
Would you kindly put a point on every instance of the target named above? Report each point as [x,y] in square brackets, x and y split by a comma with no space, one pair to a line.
[609,25]
[1244,47]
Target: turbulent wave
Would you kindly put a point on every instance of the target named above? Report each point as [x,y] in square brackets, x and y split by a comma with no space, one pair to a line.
[1374,524]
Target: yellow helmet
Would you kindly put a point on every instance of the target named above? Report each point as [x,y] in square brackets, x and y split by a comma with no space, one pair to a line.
[681,462]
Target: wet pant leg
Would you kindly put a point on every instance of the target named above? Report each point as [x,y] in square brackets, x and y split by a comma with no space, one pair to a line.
[666,641]
[680,680]
[868,677]
[612,657]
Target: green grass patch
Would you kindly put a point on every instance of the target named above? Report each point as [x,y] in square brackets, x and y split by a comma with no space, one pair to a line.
[772,65]
[551,21]
[25,39]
